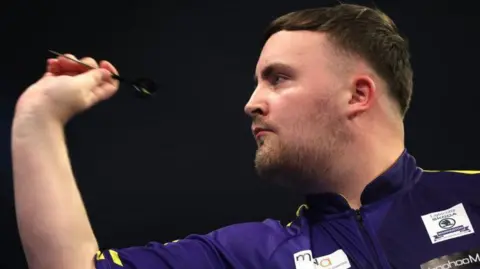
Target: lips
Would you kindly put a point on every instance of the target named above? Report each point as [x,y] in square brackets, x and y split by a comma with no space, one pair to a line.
[257,131]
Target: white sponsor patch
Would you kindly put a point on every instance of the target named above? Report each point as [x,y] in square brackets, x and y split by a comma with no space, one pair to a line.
[447,224]
[304,260]
[336,260]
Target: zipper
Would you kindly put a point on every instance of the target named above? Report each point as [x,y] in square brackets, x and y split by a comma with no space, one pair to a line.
[367,237]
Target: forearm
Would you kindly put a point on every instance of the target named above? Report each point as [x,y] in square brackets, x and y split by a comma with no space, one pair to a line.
[52,220]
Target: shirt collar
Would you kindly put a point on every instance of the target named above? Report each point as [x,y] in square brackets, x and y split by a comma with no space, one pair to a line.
[402,175]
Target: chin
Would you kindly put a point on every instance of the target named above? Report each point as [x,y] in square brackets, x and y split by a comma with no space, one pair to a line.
[273,167]
[284,167]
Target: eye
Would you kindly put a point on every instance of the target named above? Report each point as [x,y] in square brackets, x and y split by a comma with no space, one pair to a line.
[276,79]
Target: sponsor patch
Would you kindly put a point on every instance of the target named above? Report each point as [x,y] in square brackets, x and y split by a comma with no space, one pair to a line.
[461,260]
[447,224]
[336,260]
[304,260]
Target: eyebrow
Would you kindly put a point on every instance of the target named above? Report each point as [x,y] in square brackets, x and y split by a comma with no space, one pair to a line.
[270,68]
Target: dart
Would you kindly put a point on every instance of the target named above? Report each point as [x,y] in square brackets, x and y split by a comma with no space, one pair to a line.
[143,87]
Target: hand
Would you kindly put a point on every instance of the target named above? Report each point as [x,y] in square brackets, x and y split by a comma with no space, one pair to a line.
[67,88]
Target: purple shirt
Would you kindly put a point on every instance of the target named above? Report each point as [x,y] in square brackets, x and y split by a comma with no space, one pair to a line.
[410,218]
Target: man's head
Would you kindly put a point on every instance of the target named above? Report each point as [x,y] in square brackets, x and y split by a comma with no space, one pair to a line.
[321,74]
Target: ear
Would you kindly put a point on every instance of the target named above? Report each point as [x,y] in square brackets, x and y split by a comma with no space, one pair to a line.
[362,95]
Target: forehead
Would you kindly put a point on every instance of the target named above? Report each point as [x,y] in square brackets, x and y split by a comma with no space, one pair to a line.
[295,48]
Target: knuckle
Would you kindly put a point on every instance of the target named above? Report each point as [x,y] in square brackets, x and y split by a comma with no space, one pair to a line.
[70,55]
[89,61]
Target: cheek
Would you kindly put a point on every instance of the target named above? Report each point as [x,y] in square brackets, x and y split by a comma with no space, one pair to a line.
[300,121]
[299,112]
[315,117]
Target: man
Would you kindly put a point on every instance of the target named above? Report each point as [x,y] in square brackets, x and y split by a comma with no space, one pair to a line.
[333,87]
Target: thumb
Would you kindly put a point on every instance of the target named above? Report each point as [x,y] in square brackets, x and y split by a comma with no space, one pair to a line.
[93,78]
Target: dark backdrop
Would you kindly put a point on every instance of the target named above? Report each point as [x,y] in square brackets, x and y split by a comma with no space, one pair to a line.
[182,163]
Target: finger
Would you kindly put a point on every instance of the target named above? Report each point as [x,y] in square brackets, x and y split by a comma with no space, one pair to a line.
[108,66]
[69,55]
[70,65]
[80,68]
[90,61]
[67,58]
[47,74]
[52,66]
[70,74]
[105,91]
[67,62]
[93,78]
[52,61]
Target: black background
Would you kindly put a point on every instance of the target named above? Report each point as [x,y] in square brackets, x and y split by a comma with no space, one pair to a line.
[160,169]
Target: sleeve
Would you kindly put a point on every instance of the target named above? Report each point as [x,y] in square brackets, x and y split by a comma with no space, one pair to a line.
[246,245]
[192,252]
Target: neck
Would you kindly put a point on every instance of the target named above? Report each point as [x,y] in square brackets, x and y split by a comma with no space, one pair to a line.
[372,156]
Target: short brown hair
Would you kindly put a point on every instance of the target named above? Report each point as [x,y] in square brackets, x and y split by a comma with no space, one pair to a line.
[366,32]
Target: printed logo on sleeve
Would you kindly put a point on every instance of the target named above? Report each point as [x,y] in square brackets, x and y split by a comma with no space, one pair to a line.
[465,260]
[304,260]
[335,260]
[447,224]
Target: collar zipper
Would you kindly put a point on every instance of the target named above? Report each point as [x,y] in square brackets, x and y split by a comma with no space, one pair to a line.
[367,238]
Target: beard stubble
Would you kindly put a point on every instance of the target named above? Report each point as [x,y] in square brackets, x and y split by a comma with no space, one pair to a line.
[303,160]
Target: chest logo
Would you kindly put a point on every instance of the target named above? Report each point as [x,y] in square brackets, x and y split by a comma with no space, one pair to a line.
[447,224]
[336,260]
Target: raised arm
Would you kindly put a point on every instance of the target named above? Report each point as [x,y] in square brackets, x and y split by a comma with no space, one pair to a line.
[52,220]
[53,224]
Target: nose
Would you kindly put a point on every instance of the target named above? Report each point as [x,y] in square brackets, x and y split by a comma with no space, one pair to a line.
[257,105]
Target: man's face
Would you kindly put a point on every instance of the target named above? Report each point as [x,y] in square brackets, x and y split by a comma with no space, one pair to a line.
[301,100]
